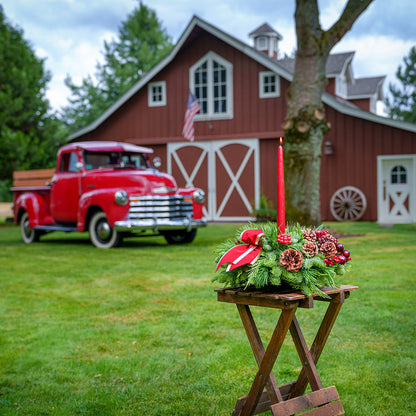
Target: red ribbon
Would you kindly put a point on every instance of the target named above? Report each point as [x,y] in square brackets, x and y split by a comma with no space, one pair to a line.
[243,253]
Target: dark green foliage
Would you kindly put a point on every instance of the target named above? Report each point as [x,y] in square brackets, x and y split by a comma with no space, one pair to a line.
[402,104]
[29,134]
[141,43]
[267,271]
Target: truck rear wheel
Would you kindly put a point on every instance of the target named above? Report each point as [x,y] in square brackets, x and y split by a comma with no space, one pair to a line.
[29,235]
[102,235]
[180,236]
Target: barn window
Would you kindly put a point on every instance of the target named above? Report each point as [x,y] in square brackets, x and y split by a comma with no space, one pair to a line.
[156,92]
[269,84]
[211,81]
[399,175]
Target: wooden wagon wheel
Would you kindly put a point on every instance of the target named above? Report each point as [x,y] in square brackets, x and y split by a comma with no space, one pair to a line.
[348,204]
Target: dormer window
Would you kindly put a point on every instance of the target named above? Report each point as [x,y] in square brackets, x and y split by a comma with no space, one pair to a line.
[269,84]
[156,94]
[211,81]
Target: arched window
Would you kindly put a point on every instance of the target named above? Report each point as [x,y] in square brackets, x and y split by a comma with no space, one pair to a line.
[211,81]
[398,175]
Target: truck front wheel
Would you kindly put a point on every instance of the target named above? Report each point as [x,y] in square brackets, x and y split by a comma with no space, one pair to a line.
[29,235]
[102,235]
[180,236]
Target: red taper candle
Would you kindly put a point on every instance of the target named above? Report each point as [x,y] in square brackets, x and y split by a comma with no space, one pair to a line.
[280,190]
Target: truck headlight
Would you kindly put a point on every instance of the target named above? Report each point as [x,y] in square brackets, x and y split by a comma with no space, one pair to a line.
[121,197]
[199,196]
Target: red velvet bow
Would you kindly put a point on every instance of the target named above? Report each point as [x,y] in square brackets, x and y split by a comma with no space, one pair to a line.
[243,253]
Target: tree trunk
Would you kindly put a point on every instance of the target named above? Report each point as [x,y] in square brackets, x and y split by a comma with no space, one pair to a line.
[305,124]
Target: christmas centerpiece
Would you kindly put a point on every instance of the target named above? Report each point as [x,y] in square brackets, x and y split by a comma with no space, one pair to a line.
[296,257]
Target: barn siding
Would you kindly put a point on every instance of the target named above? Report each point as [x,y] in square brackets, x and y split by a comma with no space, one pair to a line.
[357,143]
[363,103]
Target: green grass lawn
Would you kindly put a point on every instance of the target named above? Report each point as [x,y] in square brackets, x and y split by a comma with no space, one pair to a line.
[138,331]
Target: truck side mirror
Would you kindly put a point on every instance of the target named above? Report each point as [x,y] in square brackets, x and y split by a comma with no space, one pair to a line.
[157,162]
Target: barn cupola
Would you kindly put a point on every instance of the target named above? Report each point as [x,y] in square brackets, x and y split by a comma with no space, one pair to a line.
[266,40]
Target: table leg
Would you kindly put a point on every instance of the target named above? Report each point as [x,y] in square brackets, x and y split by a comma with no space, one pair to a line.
[319,343]
[268,360]
[258,350]
[305,356]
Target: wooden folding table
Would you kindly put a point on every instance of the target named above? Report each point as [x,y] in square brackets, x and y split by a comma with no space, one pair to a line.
[287,399]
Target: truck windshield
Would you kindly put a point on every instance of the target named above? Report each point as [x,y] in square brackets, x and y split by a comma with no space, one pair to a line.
[120,160]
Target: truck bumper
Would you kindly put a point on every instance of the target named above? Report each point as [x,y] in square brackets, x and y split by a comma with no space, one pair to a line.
[158,224]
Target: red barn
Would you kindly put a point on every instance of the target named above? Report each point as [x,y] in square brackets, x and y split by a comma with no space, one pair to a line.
[242,93]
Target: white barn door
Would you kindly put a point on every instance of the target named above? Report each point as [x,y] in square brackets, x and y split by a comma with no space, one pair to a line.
[227,170]
[396,189]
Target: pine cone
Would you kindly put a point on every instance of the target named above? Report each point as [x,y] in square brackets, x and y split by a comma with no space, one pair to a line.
[309,235]
[329,249]
[291,260]
[310,248]
[331,238]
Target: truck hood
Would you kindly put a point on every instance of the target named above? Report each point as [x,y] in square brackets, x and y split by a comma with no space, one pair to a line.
[134,182]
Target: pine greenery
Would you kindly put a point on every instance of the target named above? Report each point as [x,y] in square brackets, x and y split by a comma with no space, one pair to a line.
[267,271]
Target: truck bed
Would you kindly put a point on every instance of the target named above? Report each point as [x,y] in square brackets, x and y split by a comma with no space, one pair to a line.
[32,179]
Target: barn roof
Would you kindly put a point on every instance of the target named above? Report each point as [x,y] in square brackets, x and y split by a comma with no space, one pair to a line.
[265,29]
[335,63]
[365,86]
[276,66]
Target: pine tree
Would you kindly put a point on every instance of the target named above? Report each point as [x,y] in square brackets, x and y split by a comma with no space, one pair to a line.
[402,104]
[141,43]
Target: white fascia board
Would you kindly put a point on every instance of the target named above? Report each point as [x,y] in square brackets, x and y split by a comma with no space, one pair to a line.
[358,97]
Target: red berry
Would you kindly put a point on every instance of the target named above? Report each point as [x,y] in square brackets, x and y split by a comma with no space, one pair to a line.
[346,253]
[284,239]
[342,259]
[340,247]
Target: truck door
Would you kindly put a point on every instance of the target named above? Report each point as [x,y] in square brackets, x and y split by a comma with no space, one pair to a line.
[65,191]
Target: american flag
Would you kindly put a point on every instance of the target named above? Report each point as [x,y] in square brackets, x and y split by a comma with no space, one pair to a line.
[192,109]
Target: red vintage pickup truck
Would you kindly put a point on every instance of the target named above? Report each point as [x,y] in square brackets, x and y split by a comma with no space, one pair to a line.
[108,189]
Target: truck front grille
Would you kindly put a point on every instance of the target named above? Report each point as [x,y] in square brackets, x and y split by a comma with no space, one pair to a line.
[172,207]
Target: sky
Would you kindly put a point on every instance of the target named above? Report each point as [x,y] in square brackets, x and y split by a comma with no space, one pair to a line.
[69,34]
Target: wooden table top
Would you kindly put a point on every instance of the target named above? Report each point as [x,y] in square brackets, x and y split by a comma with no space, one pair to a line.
[277,299]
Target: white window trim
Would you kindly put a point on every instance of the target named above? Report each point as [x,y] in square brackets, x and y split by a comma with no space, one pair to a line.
[151,102]
[262,93]
[210,115]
